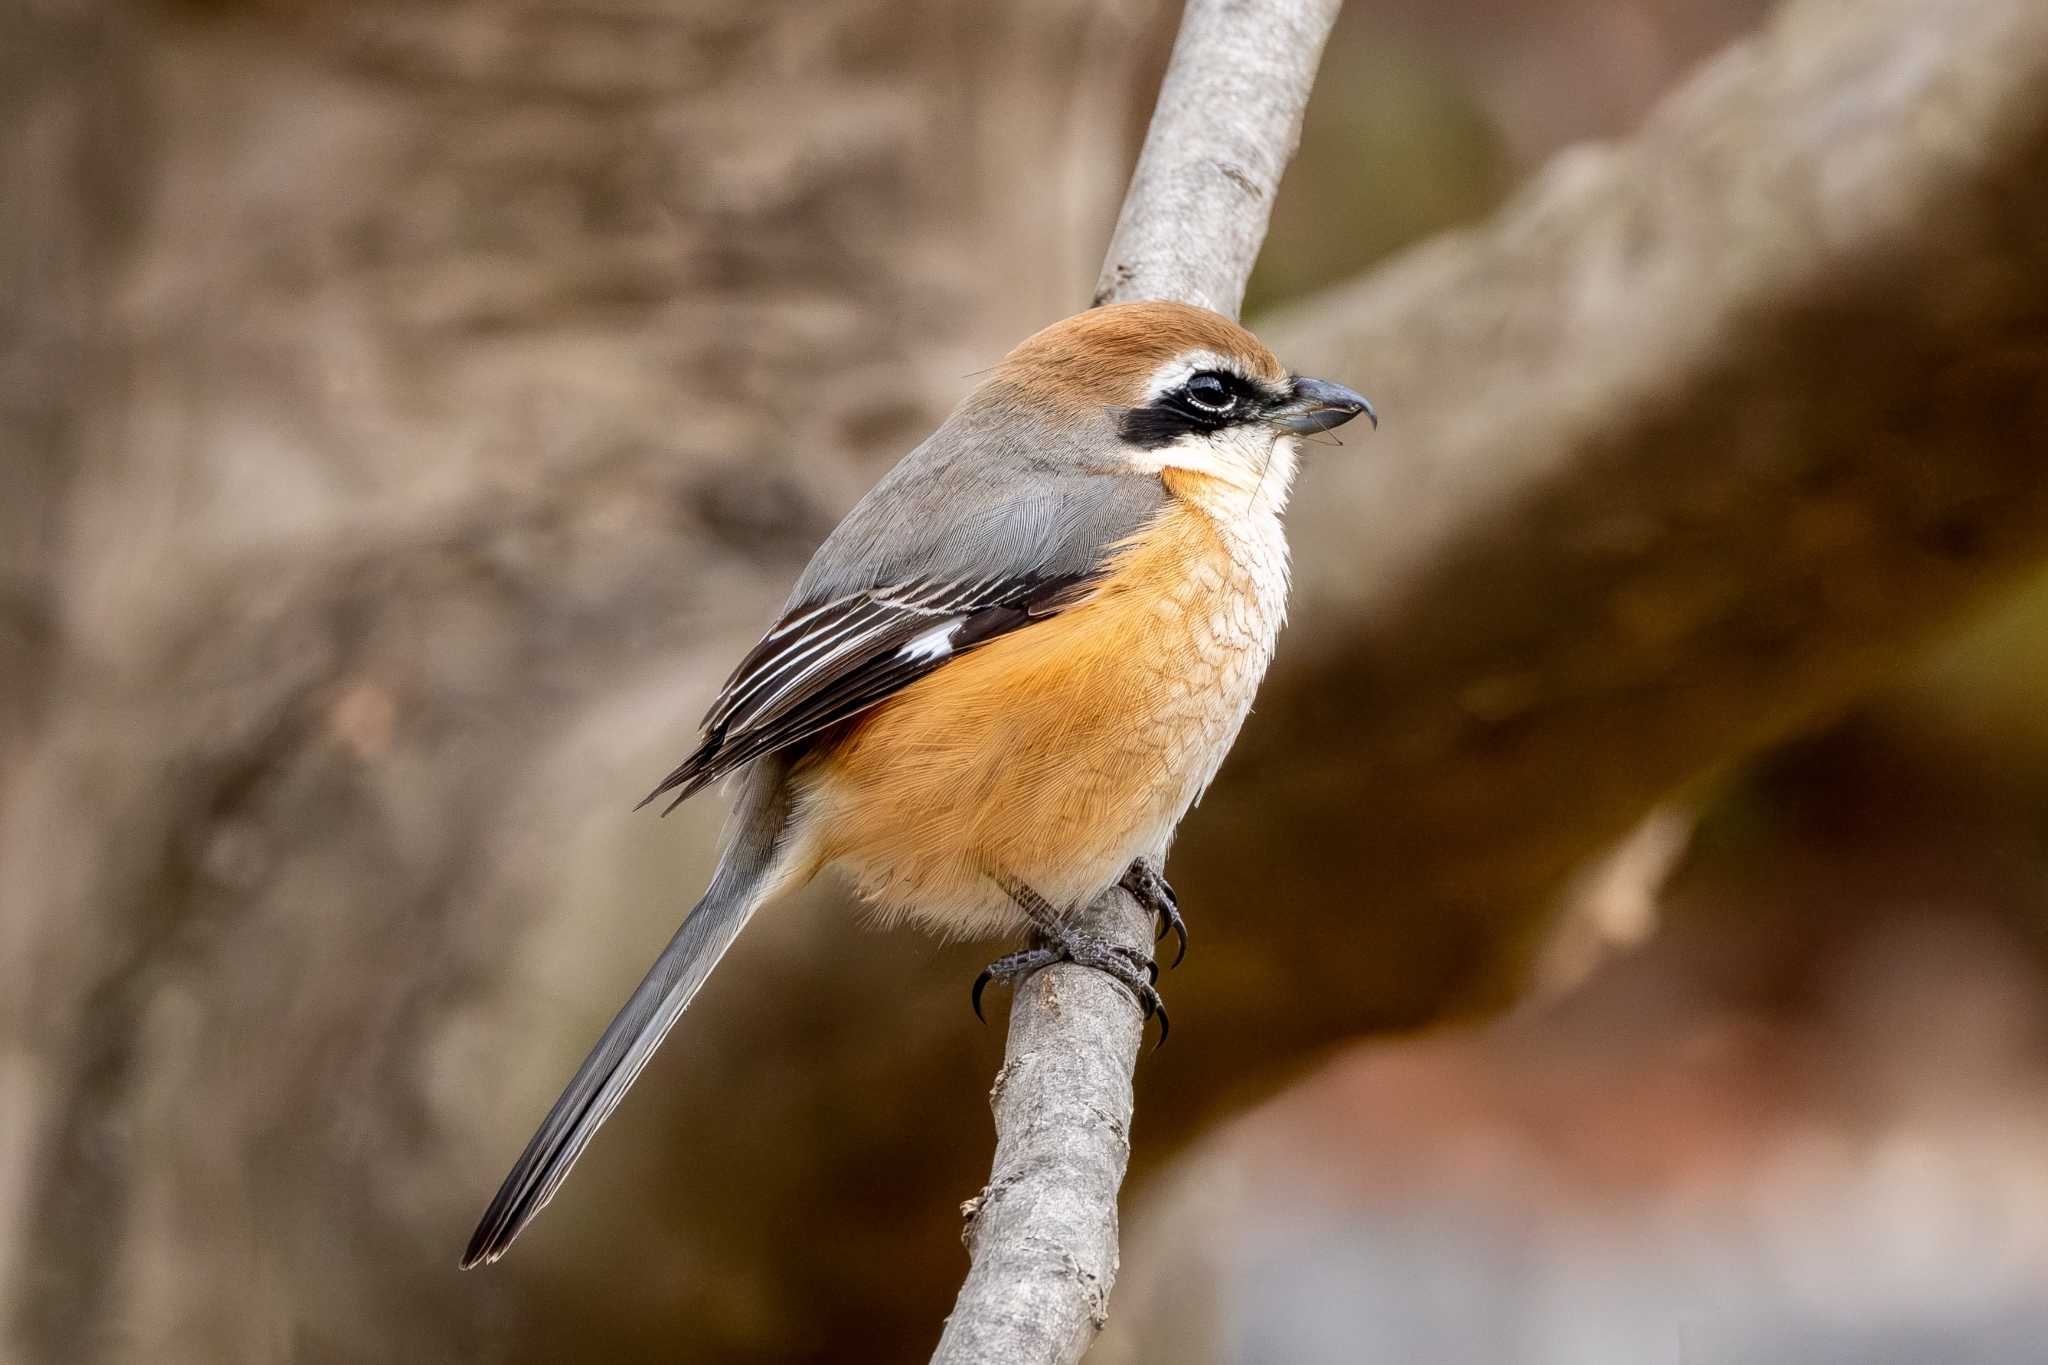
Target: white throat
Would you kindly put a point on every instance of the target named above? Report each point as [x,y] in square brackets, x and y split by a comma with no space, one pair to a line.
[1247,459]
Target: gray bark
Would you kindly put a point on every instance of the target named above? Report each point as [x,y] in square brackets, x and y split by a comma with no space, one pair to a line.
[1043,1231]
[1042,1234]
[1228,121]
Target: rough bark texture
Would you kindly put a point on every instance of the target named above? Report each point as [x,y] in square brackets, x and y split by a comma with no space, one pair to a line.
[1043,1231]
[1228,122]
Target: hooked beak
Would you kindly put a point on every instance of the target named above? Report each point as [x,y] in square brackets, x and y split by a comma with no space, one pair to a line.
[1318,405]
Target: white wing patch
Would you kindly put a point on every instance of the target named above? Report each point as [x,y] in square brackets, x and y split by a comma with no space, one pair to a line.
[815,644]
[826,663]
[933,645]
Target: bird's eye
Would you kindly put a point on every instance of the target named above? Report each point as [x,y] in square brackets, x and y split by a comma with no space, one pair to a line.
[1210,392]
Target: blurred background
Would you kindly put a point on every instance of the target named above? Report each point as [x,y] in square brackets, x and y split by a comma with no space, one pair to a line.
[1621,936]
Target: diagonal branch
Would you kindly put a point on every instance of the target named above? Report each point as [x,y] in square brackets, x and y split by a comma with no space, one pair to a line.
[1043,1231]
[1692,443]
[1227,123]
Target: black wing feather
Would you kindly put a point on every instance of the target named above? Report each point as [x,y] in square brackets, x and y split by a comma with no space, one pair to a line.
[826,663]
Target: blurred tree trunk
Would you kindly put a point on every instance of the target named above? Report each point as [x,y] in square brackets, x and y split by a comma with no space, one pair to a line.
[412,408]
[1785,1130]
[425,403]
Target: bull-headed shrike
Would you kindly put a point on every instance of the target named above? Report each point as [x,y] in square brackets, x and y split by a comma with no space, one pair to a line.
[1004,678]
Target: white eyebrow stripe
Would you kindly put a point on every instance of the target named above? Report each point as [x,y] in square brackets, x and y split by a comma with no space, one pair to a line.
[1185,366]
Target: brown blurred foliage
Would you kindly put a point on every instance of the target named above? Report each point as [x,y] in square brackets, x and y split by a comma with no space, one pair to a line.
[411,409]
[1808,1121]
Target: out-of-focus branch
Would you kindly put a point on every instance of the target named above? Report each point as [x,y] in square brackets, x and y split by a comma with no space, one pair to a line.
[1227,124]
[1043,1232]
[1696,439]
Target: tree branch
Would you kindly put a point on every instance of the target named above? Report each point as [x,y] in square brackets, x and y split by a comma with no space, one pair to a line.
[1227,123]
[1697,439]
[1043,1232]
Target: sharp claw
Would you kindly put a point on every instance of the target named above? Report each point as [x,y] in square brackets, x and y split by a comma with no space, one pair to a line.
[1145,882]
[1055,942]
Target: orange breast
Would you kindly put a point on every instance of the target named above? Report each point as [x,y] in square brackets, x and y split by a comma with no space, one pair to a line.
[1056,753]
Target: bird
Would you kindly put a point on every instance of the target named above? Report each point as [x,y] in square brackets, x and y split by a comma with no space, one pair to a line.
[1003,678]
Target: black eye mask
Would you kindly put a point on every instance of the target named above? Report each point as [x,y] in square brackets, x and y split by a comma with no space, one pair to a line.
[1209,401]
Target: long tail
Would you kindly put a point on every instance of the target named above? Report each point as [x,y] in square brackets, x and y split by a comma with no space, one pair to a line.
[737,890]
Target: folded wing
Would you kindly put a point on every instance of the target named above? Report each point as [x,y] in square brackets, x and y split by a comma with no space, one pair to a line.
[823,664]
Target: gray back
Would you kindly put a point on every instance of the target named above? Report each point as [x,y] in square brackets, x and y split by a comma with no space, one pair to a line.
[998,489]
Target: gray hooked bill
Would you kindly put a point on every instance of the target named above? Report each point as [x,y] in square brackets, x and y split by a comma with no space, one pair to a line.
[1318,405]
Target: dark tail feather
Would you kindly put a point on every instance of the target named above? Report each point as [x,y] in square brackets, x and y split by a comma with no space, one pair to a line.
[655,1005]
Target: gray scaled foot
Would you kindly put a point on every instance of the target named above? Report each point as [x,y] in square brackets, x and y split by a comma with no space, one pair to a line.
[1060,942]
[1148,886]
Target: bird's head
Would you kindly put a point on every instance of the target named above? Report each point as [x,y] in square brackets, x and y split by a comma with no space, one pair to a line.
[1170,386]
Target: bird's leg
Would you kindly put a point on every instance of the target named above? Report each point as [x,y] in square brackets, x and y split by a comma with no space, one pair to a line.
[1059,941]
[1148,886]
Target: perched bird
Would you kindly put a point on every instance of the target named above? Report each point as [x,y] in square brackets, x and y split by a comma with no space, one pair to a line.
[1004,678]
